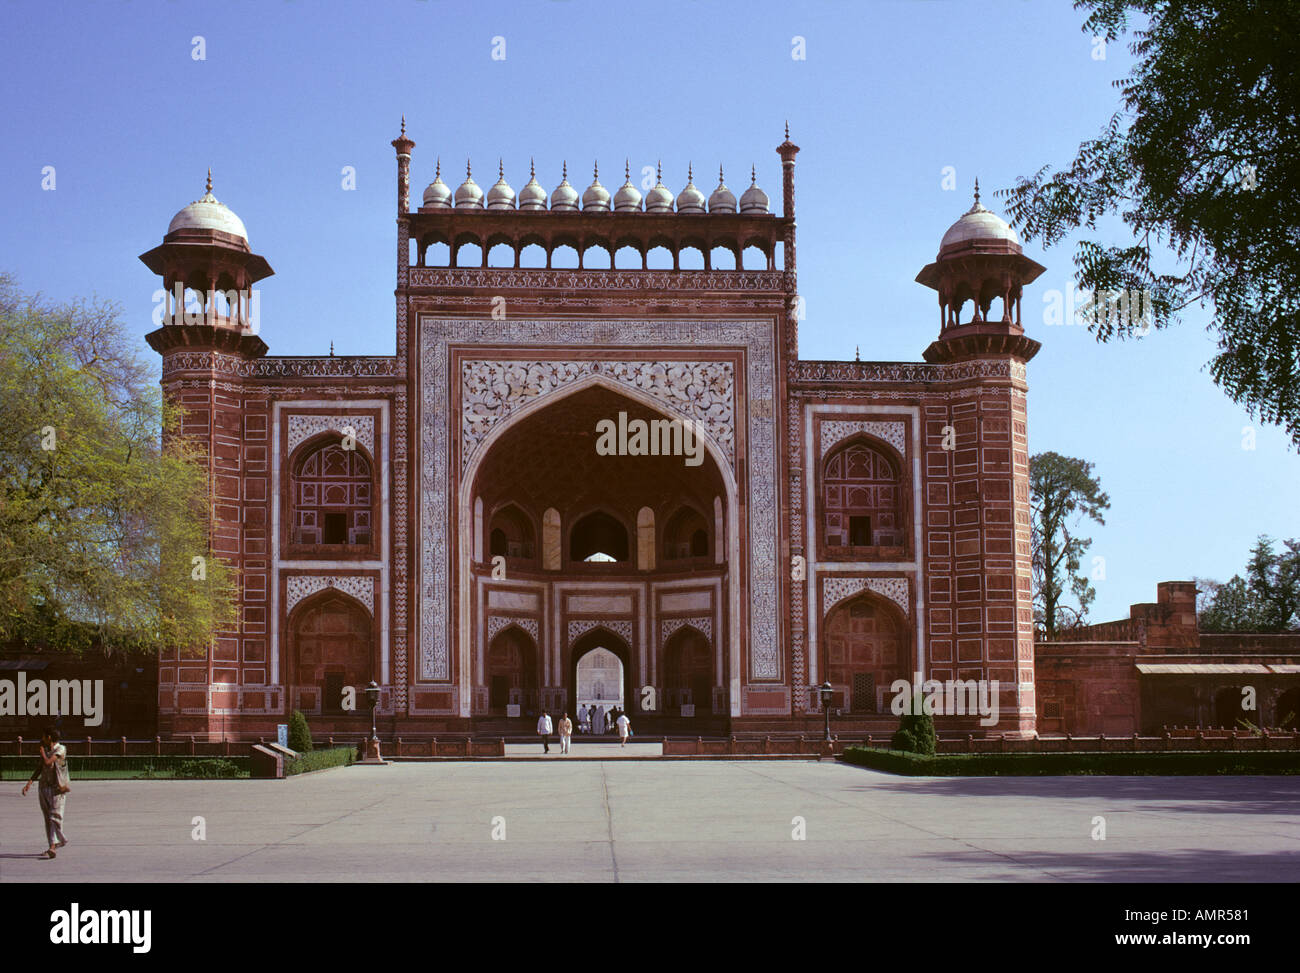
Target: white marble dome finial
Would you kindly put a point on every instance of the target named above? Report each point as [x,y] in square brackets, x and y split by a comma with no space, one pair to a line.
[565,197]
[628,197]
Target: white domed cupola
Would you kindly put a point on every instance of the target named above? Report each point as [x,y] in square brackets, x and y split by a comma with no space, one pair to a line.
[628,197]
[532,196]
[468,193]
[565,197]
[690,199]
[501,196]
[660,198]
[596,197]
[977,226]
[722,199]
[437,194]
[208,214]
[753,200]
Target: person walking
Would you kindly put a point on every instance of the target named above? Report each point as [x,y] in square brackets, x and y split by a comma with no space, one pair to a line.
[566,732]
[544,730]
[624,728]
[52,772]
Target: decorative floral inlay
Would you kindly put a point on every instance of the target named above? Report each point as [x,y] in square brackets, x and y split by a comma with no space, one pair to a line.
[303,427]
[620,627]
[835,590]
[702,623]
[492,390]
[360,587]
[497,623]
[894,433]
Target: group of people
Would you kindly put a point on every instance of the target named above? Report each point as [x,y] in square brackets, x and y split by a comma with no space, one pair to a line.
[589,721]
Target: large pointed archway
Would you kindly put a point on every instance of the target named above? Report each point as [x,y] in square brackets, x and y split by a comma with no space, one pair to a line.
[594,648]
[606,516]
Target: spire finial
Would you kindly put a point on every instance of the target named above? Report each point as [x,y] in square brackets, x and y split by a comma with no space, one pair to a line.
[690,172]
[564,171]
[627,169]
[659,171]
[468,174]
[437,169]
[532,168]
[857,353]
[595,170]
[331,349]
[753,175]
[977,190]
[719,173]
[787,130]
[403,132]
[501,168]
[209,178]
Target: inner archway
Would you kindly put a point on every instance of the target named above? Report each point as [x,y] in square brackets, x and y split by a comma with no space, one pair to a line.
[688,673]
[331,646]
[512,672]
[866,647]
[601,675]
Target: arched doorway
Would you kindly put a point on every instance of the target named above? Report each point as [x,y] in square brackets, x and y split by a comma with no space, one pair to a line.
[331,646]
[688,673]
[866,647]
[512,675]
[601,674]
[1227,709]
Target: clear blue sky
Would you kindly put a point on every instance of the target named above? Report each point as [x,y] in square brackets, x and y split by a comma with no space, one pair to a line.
[889,94]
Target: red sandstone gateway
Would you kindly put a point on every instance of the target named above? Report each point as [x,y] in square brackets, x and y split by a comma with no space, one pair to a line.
[441,521]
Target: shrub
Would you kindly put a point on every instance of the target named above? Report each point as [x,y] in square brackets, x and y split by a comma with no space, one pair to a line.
[916,734]
[320,760]
[209,769]
[299,733]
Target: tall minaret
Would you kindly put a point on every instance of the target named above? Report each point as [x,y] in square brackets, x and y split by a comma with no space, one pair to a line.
[987,453]
[205,251]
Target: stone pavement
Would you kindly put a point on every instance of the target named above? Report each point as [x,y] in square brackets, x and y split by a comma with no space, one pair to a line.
[657,820]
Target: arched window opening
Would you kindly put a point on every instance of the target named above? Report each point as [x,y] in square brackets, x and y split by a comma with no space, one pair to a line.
[511,534]
[564,257]
[866,649]
[688,673]
[331,497]
[437,255]
[862,496]
[532,256]
[469,255]
[659,258]
[686,535]
[598,537]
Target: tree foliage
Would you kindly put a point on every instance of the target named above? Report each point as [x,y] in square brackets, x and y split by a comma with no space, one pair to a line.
[99,524]
[1062,493]
[1267,599]
[299,733]
[1201,163]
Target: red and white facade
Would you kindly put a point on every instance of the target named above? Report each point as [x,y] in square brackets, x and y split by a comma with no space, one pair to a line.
[441,521]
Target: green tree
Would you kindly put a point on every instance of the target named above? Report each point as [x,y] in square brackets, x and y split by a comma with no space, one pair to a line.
[1267,599]
[100,525]
[1201,164]
[1062,493]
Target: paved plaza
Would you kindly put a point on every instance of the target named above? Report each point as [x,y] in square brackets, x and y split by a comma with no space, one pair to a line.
[661,820]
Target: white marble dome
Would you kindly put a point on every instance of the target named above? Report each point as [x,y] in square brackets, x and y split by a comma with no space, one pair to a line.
[596,196]
[722,199]
[565,196]
[501,196]
[437,194]
[207,213]
[468,193]
[660,198]
[628,197]
[753,199]
[532,196]
[690,199]
[978,223]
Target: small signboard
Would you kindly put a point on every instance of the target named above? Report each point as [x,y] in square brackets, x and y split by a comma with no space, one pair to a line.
[282,734]
[512,709]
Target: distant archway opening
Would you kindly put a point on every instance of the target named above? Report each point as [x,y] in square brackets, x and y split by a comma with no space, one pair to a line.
[598,537]
[601,672]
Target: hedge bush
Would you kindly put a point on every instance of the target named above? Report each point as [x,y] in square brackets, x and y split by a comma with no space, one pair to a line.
[321,760]
[915,734]
[86,768]
[1059,764]
[299,733]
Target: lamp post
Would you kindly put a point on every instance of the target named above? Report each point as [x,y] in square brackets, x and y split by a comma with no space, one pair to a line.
[824,691]
[372,693]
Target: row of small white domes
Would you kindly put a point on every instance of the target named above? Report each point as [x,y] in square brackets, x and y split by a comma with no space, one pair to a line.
[596,198]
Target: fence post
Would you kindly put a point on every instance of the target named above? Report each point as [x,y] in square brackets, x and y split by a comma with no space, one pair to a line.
[1169,739]
[501,746]
[157,746]
[87,746]
[20,746]
[397,748]
[1069,742]
[731,744]
[1135,741]
[191,744]
[767,744]
[1200,739]
[970,742]
[1263,739]
[699,746]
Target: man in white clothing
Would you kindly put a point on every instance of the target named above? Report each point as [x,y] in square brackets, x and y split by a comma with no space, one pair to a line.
[544,730]
[624,728]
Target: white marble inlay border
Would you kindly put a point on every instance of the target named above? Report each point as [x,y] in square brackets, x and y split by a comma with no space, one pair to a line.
[837,430]
[303,427]
[702,623]
[620,627]
[359,586]
[498,623]
[897,590]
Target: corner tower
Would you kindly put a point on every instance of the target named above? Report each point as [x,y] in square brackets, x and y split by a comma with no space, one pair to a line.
[983,456]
